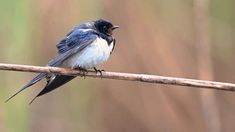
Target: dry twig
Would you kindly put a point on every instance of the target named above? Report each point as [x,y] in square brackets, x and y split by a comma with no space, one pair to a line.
[124,76]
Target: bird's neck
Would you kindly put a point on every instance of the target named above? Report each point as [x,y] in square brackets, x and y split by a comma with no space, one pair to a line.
[108,38]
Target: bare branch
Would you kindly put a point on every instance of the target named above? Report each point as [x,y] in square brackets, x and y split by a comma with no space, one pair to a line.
[124,76]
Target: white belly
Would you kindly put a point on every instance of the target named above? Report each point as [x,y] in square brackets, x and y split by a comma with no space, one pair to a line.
[93,55]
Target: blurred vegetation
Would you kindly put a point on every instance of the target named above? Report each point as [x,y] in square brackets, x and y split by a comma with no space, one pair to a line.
[156,37]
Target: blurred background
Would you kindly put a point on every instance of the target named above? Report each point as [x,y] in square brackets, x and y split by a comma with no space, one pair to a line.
[179,38]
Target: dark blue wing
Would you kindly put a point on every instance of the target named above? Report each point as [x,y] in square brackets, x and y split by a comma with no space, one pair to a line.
[73,43]
[77,36]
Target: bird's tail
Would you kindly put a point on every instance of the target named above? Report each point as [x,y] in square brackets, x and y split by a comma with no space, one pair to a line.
[33,81]
[58,81]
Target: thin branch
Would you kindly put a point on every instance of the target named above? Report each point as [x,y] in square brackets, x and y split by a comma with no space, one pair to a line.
[123,76]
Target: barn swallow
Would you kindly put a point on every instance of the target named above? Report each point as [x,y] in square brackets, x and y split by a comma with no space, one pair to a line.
[85,47]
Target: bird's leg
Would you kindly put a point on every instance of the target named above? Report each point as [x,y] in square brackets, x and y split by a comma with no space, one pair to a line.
[83,72]
[100,71]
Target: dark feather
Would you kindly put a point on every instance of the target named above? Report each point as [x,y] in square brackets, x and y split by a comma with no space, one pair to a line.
[55,83]
[114,42]
[58,81]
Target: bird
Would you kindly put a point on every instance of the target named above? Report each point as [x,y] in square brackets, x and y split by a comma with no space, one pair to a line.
[85,47]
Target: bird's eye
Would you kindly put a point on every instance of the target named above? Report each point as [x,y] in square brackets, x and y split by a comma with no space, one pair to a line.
[105,28]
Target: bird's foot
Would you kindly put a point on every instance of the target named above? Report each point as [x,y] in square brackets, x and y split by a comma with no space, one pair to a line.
[83,72]
[100,71]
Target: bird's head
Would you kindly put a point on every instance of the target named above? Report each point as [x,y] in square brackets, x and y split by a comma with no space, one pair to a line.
[104,26]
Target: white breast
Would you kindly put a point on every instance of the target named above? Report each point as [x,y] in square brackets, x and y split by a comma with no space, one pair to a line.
[93,55]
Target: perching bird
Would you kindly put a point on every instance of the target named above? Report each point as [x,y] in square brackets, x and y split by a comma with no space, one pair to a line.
[85,47]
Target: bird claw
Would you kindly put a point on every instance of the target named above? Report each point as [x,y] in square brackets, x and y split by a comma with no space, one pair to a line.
[82,72]
[99,71]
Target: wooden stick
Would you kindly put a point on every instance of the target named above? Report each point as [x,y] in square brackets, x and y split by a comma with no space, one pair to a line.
[124,76]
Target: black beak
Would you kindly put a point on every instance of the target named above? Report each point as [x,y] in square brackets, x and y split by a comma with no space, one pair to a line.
[114,27]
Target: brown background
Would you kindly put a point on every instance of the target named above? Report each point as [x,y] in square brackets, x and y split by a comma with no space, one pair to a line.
[180,38]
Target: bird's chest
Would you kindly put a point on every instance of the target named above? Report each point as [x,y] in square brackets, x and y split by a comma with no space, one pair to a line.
[93,55]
